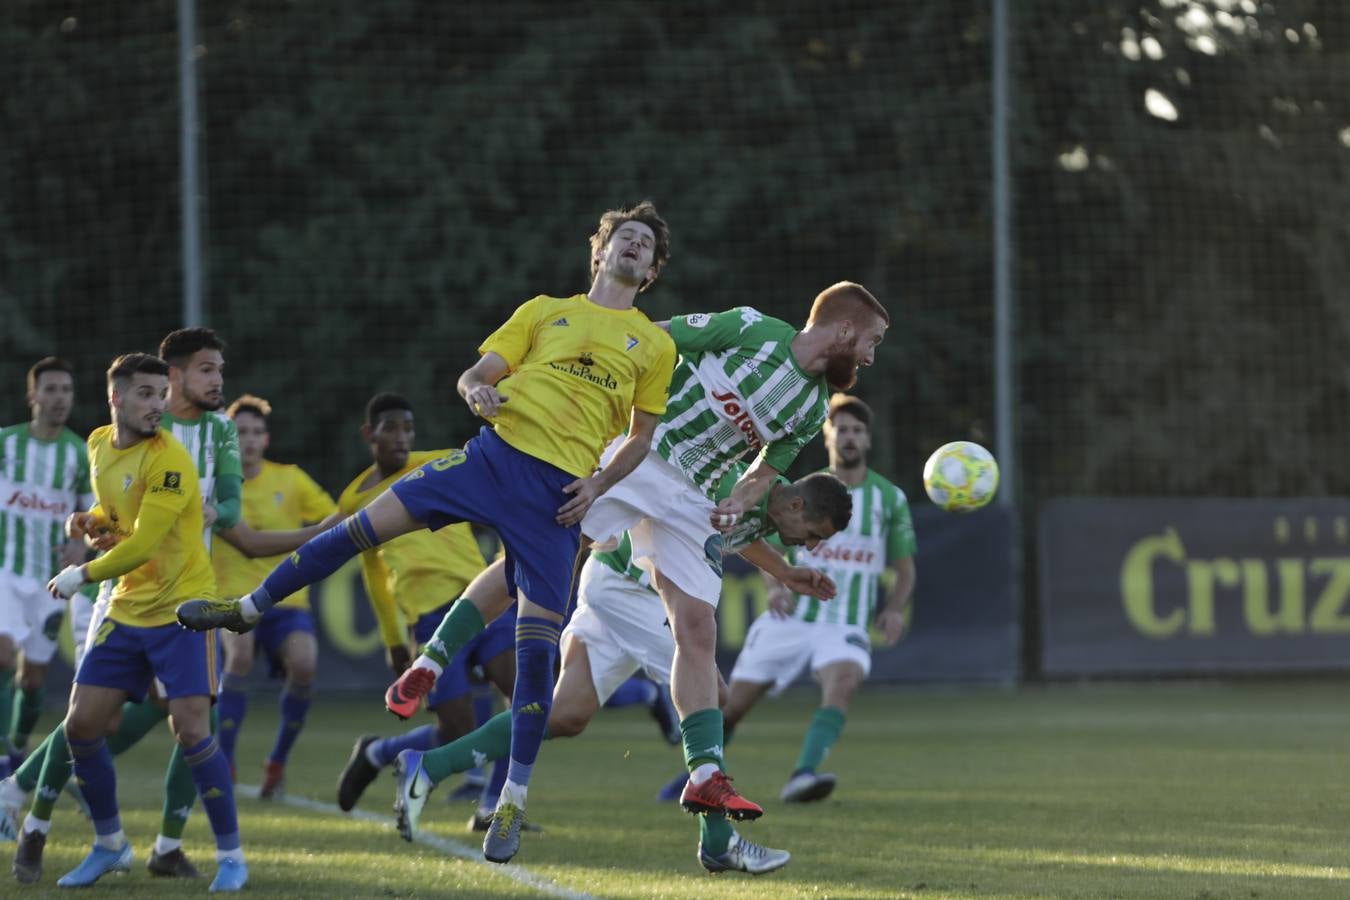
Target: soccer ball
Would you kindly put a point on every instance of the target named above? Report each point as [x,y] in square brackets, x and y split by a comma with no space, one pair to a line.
[961,476]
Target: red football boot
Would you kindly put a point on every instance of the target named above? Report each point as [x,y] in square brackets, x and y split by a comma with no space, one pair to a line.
[405,695]
[717,795]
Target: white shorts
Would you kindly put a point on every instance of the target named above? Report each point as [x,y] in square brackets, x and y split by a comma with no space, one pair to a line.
[777,649]
[667,520]
[623,626]
[30,616]
[81,615]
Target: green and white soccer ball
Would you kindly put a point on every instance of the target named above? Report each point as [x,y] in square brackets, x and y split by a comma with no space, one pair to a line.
[961,476]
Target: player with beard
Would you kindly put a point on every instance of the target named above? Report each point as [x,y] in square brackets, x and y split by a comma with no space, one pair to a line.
[44,476]
[196,378]
[797,630]
[745,382]
[558,380]
[148,496]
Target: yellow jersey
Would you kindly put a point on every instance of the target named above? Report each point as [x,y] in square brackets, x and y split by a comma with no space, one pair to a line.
[578,370]
[416,572]
[149,496]
[279,498]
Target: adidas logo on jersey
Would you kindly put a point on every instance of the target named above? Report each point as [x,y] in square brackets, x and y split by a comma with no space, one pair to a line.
[559,323]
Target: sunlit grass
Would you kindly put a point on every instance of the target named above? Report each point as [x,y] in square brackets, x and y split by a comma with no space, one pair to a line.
[1116,790]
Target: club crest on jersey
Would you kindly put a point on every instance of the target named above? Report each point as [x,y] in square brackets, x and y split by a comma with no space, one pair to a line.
[632,342]
[126,483]
[279,497]
[586,359]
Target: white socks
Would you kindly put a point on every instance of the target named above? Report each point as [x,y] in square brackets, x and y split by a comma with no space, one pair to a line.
[165,845]
[703,773]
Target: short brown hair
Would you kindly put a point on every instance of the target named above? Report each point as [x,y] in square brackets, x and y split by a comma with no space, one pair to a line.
[48,364]
[847,403]
[250,404]
[845,300]
[645,212]
[826,497]
[178,346]
[129,364]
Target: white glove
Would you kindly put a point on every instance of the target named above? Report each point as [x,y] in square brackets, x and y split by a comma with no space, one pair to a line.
[67,583]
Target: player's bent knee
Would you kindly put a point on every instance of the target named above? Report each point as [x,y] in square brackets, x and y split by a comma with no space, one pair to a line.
[566,723]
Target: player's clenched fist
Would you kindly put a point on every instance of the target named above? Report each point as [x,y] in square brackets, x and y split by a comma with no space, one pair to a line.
[726,514]
[484,400]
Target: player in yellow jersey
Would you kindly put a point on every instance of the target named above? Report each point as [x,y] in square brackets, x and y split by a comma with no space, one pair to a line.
[147,494]
[561,378]
[275,497]
[416,578]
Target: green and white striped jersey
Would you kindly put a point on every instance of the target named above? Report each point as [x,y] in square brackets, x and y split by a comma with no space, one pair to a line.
[879,532]
[41,483]
[755,524]
[737,387]
[213,442]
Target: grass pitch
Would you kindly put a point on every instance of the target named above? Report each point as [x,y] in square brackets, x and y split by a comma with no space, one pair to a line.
[1194,790]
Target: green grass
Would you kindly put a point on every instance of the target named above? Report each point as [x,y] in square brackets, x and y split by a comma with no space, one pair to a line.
[1172,790]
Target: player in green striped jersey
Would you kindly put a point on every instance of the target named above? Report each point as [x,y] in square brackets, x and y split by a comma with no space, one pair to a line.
[797,630]
[44,477]
[619,627]
[745,383]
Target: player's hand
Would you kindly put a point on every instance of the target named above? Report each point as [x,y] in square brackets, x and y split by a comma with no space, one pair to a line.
[70,553]
[584,492]
[810,582]
[781,602]
[726,514]
[65,584]
[891,622]
[79,524]
[209,515]
[101,540]
[399,658]
[484,400]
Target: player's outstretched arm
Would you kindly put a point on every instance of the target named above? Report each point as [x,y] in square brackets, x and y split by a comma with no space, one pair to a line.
[631,452]
[798,579]
[477,385]
[255,544]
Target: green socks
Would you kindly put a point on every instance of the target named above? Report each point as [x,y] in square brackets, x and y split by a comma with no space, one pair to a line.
[137,720]
[6,704]
[490,742]
[714,833]
[30,771]
[461,624]
[702,734]
[826,726]
[53,772]
[27,708]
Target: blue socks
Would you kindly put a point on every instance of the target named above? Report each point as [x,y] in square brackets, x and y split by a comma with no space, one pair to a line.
[536,651]
[384,751]
[211,774]
[94,771]
[295,702]
[317,559]
[231,703]
[633,692]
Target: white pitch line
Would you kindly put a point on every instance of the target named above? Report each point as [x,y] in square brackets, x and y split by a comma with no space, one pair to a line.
[445,845]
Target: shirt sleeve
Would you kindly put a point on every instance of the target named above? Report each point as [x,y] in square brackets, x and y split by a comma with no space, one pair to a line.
[783,452]
[227,451]
[229,501]
[712,331]
[315,503]
[900,540]
[654,387]
[513,339]
[375,575]
[170,484]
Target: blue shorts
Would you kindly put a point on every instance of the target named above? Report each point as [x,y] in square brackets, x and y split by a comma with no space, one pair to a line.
[277,624]
[492,483]
[492,641]
[128,658]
